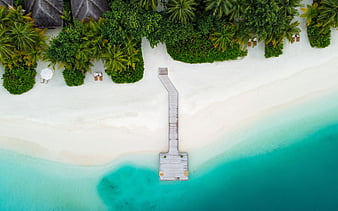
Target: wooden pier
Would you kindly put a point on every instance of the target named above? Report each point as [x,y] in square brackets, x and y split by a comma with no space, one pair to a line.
[173,164]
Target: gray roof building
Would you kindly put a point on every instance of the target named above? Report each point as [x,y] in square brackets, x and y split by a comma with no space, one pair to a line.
[94,9]
[6,2]
[46,13]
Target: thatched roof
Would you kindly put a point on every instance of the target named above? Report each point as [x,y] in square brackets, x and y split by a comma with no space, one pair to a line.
[6,2]
[83,9]
[46,13]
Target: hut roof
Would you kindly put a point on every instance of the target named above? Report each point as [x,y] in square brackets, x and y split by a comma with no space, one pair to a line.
[6,2]
[46,13]
[94,9]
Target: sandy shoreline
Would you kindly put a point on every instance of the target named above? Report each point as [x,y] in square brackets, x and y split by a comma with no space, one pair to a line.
[100,121]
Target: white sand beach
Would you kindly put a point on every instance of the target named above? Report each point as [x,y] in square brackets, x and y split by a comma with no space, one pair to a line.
[101,121]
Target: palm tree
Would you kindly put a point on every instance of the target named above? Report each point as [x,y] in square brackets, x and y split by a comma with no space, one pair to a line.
[181,11]
[238,9]
[224,38]
[289,7]
[23,36]
[291,30]
[4,17]
[21,43]
[131,52]
[115,59]
[148,4]
[220,7]
[310,12]
[96,40]
[83,58]
[328,13]
[6,47]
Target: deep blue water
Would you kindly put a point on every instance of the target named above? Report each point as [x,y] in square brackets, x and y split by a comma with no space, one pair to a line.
[287,161]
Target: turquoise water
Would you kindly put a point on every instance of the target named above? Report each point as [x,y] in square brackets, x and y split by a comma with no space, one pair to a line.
[34,184]
[303,176]
[286,161]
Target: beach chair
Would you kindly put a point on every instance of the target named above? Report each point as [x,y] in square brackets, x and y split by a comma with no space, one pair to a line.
[254,42]
[297,38]
[98,76]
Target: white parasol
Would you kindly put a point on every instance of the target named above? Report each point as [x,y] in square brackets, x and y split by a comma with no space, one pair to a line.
[46,73]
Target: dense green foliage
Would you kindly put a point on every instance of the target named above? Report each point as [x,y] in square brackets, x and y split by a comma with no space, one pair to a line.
[124,27]
[127,20]
[270,21]
[202,50]
[21,45]
[67,15]
[321,16]
[222,28]
[319,37]
[220,8]
[148,4]
[273,51]
[207,39]
[170,33]
[75,47]
[73,77]
[116,40]
[328,13]
[130,74]
[19,80]
[181,11]
[17,3]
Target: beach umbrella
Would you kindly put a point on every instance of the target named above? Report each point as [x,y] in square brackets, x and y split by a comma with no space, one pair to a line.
[47,73]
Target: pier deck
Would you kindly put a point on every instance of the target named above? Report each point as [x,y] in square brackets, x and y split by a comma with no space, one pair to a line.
[173,164]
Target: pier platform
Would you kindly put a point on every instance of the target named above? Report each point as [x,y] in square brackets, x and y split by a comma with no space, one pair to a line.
[173,164]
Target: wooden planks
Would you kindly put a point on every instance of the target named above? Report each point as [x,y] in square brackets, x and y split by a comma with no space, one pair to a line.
[173,110]
[174,167]
[173,164]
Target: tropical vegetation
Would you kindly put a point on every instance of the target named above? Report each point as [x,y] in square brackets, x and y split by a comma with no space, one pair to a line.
[321,16]
[75,48]
[124,27]
[194,31]
[222,28]
[21,45]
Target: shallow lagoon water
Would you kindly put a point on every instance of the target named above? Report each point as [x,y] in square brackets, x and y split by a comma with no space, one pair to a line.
[34,184]
[286,161]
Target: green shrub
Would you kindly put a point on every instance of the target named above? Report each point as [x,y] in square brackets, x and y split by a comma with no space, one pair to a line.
[17,3]
[21,45]
[19,80]
[205,24]
[273,51]
[170,33]
[130,74]
[319,37]
[202,50]
[73,77]
[128,20]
